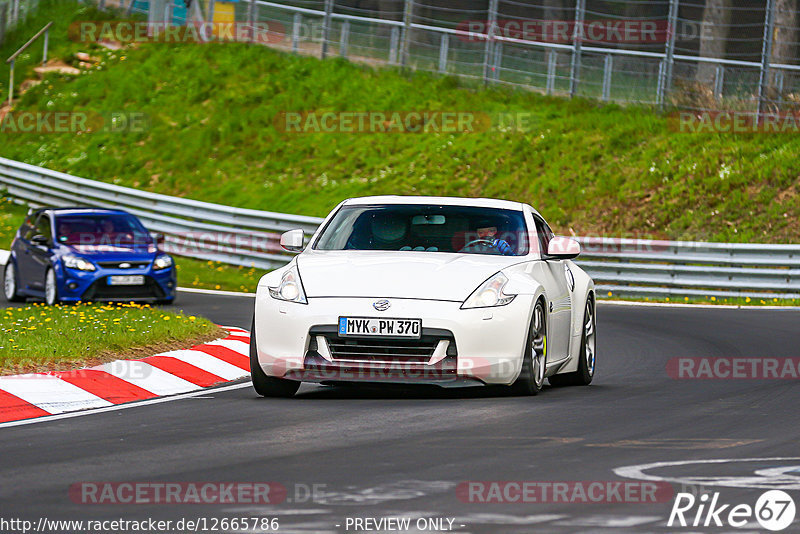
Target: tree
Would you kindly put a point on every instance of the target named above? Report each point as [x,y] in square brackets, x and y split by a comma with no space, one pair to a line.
[714,32]
[785,33]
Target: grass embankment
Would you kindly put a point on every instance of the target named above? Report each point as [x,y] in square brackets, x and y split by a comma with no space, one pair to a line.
[595,168]
[589,167]
[38,338]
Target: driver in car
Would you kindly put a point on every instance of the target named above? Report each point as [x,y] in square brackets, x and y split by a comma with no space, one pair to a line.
[488,234]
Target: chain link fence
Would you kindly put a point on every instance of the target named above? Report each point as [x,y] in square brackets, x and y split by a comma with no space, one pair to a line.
[702,55]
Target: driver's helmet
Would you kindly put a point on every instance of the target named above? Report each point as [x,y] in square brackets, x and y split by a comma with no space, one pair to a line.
[388,229]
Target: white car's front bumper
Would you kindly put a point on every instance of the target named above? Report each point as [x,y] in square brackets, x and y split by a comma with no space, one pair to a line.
[466,347]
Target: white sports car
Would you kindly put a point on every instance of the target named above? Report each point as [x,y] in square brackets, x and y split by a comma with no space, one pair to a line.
[426,290]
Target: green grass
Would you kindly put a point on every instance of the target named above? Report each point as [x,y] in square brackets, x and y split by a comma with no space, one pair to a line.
[191,272]
[593,168]
[32,338]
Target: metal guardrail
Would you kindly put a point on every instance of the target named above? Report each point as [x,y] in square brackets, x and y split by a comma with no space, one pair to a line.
[624,267]
[191,228]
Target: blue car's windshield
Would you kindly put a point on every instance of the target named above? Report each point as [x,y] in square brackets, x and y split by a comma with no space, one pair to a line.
[100,229]
[429,228]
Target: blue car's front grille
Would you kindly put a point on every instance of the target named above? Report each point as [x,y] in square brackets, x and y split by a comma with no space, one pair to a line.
[100,290]
[123,264]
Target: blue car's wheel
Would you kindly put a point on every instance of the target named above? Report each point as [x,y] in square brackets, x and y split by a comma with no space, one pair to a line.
[50,288]
[10,288]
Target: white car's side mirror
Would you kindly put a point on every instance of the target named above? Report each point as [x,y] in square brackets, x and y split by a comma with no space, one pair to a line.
[563,248]
[292,240]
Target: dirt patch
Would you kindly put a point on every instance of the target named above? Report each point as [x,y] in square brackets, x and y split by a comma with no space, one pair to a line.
[56,65]
[133,353]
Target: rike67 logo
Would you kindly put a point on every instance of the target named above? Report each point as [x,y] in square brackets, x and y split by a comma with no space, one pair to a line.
[774,510]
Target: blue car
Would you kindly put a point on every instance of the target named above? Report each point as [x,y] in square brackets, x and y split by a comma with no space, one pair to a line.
[74,254]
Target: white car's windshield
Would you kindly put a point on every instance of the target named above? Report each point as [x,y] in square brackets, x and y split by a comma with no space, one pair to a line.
[429,228]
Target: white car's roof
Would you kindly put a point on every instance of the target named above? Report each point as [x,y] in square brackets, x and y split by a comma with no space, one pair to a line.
[442,201]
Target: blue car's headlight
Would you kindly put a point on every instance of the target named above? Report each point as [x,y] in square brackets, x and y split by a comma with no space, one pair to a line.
[74,262]
[162,262]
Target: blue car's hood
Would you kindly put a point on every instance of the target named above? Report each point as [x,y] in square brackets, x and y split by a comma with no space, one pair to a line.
[113,252]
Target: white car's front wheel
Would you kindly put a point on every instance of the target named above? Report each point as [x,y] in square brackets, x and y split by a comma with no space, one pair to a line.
[534,362]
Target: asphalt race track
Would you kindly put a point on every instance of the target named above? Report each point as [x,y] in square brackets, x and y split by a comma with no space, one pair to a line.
[375,453]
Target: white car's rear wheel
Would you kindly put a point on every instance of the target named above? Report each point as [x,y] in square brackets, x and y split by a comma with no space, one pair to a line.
[534,362]
[587,357]
[267,386]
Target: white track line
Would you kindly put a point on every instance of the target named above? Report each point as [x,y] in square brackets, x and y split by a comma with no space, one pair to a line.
[48,418]
[696,306]
[216,292]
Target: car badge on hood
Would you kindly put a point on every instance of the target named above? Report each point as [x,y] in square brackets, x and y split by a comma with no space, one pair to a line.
[381,305]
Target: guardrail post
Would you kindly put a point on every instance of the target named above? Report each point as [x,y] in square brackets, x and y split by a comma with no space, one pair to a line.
[296,29]
[766,52]
[326,27]
[343,39]
[608,65]
[489,31]
[552,63]
[719,82]
[444,45]
[577,39]
[405,36]
[394,41]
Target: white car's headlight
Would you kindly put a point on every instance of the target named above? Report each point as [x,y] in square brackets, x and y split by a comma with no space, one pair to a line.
[290,288]
[162,262]
[490,293]
[74,262]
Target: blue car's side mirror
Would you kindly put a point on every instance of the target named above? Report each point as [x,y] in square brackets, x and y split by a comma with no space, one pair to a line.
[39,239]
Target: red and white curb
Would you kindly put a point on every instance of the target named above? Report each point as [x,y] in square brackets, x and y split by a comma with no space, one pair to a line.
[122,381]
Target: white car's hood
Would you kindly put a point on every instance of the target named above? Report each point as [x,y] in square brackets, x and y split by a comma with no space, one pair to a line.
[421,275]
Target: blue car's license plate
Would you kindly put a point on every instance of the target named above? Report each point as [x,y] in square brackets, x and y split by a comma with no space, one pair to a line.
[126,280]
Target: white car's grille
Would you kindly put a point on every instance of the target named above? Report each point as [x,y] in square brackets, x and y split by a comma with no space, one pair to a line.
[381,350]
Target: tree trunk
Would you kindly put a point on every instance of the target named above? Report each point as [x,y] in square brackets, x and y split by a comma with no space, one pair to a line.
[713,34]
[785,33]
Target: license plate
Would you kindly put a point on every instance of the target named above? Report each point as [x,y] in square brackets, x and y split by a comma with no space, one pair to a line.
[126,280]
[369,326]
